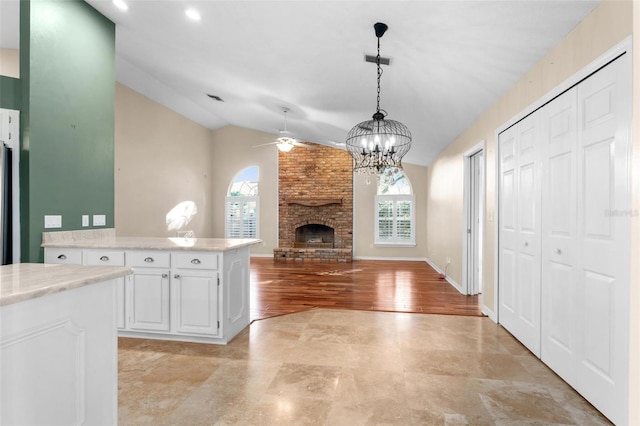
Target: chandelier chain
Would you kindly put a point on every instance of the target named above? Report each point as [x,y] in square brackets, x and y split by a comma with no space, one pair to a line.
[379,75]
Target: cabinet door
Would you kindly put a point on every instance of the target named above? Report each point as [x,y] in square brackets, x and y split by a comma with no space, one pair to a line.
[99,257]
[148,300]
[195,302]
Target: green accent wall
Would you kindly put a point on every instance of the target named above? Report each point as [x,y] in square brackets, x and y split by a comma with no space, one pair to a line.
[67,54]
[10,93]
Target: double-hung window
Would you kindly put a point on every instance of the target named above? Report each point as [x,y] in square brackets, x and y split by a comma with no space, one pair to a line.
[242,205]
[394,210]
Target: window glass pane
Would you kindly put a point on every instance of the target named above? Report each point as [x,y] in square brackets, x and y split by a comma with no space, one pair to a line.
[245,183]
[393,182]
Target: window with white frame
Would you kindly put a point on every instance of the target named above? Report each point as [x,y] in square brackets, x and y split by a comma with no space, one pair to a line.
[242,205]
[395,210]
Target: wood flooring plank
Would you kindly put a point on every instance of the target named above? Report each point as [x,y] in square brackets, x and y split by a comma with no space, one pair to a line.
[279,288]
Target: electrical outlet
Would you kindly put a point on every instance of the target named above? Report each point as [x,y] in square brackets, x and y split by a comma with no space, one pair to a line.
[85,220]
[448,259]
[53,221]
[99,220]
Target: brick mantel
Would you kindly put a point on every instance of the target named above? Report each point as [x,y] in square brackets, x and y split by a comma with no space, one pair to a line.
[314,202]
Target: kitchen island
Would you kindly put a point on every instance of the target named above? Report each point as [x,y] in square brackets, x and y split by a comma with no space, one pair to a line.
[58,344]
[188,289]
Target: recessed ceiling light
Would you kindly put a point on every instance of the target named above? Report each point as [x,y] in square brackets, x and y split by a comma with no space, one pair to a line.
[120,4]
[192,14]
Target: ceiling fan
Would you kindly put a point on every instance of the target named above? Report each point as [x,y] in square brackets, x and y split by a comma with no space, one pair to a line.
[285,141]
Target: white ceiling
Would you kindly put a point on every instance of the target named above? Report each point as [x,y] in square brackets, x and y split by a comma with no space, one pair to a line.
[450,60]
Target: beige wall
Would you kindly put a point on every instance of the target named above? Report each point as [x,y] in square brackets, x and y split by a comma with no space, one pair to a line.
[232,152]
[10,62]
[611,22]
[363,217]
[161,159]
[607,25]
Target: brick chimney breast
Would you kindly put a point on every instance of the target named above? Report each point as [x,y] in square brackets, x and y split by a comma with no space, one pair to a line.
[315,201]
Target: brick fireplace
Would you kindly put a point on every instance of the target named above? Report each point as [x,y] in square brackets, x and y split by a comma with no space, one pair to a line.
[315,205]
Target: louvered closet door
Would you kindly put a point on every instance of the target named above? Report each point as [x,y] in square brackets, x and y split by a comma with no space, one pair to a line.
[519,263]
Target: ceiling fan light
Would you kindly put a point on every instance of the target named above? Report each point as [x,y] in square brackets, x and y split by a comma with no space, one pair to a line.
[284,146]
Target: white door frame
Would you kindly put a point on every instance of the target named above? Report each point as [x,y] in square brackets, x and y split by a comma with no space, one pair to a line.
[466,250]
[619,49]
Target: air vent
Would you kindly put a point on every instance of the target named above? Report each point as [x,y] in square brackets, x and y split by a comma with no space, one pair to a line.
[217,98]
[372,59]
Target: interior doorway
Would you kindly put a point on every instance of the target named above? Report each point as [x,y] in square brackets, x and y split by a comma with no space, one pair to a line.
[473,230]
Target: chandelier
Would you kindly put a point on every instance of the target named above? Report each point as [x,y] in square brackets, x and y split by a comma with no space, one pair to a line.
[378,144]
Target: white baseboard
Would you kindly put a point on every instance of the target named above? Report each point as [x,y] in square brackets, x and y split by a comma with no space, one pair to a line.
[490,313]
[408,259]
[262,255]
[447,278]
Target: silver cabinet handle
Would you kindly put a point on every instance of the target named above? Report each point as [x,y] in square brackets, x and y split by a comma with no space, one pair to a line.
[176,276]
[558,251]
[105,258]
[148,259]
[196,261]
[62,257]
[165,275]
[526,244]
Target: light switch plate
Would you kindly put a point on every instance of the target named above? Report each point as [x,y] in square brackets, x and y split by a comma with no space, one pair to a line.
[99,220]
[52,221]
[85,220]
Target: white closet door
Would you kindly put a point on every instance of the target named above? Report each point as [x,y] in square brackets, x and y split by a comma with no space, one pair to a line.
[560,251]
[519,296]
[604,151]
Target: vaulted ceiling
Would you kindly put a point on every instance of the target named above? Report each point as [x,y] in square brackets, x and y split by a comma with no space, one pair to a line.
[450,60]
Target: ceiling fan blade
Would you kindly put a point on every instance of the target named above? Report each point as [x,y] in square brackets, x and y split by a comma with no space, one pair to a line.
[265,144]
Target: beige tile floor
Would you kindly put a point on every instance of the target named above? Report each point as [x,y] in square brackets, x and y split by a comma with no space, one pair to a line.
[333,367]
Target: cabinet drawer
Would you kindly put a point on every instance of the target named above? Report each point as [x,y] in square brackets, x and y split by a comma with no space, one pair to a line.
[149,259]
[195,260]
[104,257]
[62,255]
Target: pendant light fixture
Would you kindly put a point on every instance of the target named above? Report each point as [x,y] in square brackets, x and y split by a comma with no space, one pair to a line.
[378,144]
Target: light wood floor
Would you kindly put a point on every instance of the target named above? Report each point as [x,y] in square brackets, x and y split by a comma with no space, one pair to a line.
[394,286]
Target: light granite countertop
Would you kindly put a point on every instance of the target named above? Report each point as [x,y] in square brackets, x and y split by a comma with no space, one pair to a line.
[106,238]
[24,281]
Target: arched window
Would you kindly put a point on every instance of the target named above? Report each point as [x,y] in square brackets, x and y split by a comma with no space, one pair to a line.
[242,205]
[395,209]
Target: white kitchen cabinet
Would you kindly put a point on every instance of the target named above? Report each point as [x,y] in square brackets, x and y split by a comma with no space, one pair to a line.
[58,345]
[148,300]
[196,294]
[102,258]
[148,293]
[67,256]
[195,288]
